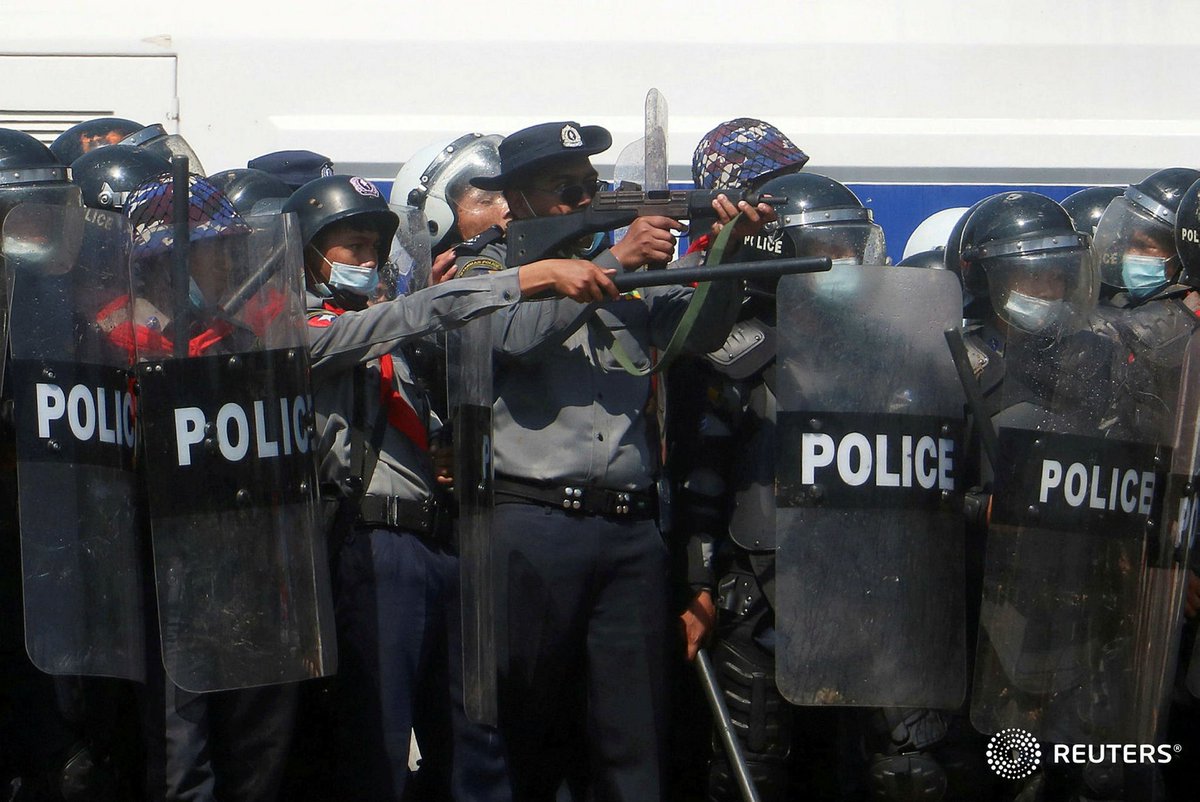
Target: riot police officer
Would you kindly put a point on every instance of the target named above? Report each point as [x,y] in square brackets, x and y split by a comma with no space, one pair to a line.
[1053,378]
[723,458]
[55,732]
[582,586]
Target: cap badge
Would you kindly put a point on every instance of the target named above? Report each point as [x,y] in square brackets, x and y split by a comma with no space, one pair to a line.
[364,187]
[571,137]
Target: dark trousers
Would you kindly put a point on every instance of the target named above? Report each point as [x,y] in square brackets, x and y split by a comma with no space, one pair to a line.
[394,592]
[582,606]
[227,745]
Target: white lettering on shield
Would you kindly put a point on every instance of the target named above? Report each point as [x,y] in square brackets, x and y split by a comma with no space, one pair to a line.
[926,461]
[1128,489]
[86,413]
[264,429]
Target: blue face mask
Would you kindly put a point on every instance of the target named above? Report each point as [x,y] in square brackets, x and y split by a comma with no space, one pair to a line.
[353,279]
[1032,314]
[1143,275]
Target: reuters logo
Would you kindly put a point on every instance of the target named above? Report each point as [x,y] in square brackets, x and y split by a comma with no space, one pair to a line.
[1013,754]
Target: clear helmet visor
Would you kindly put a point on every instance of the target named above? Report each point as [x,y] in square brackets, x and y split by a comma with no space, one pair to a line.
[409,263]
[447,179]
[1134,250]
[174,145]
[859,243]
[1046,292]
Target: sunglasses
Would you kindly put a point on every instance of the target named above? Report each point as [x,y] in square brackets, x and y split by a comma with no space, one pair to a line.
[572,194]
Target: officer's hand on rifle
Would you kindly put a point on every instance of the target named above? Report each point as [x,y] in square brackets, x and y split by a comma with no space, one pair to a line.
[576,279]
[698,621]
[650,240]
[753,219]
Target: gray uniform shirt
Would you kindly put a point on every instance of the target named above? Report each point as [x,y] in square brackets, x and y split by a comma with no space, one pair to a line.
[338,343]
[565,411]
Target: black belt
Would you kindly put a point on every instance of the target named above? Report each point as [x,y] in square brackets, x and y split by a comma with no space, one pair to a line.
[398,513]
[582,499]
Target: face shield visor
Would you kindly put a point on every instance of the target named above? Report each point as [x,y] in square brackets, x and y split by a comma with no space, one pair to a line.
[447,181]
[52,194]
[1044,292]
[154,139]
[1134,247]
[850,243]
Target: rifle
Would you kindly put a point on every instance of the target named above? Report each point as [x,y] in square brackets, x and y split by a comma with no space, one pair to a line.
[543,237]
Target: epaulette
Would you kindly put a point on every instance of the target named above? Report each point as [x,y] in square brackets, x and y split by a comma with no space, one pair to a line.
[475,245]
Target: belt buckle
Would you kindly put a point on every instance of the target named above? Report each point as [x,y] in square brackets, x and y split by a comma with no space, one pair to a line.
[390,513]
[572,499]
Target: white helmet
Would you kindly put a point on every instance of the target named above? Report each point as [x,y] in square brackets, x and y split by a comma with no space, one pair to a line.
[934,231]
[438,170]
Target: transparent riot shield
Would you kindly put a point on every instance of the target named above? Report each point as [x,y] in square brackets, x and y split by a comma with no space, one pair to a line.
[1085,564]
[81,539]
[1183,505]
[470,394]
[870,568]
[409,262]
[226,410]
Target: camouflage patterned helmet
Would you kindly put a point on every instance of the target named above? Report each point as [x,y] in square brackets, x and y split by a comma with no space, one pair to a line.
[743,150]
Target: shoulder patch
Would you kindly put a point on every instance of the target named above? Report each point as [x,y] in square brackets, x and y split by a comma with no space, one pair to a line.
[321,318]
[480,264]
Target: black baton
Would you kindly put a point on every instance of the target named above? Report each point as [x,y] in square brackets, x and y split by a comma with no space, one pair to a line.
[772,268]
[180,274]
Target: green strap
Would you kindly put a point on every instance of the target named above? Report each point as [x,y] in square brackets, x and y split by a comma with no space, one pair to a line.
[680,335]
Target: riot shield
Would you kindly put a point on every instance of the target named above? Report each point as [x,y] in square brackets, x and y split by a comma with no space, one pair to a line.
[225,405]
[410,261]
[870,570]
[1184,505]
[656,141]
[81,539]
[1085,565]
[470,394]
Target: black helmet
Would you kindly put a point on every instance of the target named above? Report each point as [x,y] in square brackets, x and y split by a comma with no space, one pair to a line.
[327,200]
[30,173]
[88,135]
[821,218]
[245,186]
[107,175]
[1134,241]
[1087,206]
[1187,236]
[154,138]
[1021,251]
[935,259]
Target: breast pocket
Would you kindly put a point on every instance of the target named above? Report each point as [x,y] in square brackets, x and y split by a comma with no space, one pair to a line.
[627,330]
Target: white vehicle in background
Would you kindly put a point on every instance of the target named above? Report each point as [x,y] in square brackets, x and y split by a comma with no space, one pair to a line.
[919,106]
